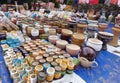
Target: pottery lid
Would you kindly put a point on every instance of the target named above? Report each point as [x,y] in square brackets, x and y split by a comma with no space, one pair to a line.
[62,42]
[67,32]
[42,74]
[55,56]
[66,55]
[42,60]
[73,47]
[61,56]
[39,68]
[53,37]
[49,58]
[54,63]
[58,60]
[46,65]
[45,55]
[34,63]
[70,63]
[106,33]
[95,41]
[57,68]
[79,36]
[50,71]
[63,64]
[38,57]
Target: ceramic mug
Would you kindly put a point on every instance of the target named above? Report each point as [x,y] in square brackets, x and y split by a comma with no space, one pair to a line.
[85,63]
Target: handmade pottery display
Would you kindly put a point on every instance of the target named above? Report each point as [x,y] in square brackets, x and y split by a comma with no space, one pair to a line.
[78,39]
[116,32]
[94,43]
[105,37]
[73,49]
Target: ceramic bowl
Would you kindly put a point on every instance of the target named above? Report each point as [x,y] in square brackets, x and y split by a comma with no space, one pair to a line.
[95,43]
[61,44]
[53,38]
[73,49]
[86,63]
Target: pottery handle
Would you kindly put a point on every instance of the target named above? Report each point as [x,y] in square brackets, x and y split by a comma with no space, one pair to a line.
[96,64]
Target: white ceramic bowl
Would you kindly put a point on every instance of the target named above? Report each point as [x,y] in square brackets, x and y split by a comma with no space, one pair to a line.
[61,44]
[53,38]
[72,49]
[95,43]
[85,63]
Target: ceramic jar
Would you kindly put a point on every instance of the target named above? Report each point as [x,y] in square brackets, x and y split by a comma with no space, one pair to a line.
[73,49]
[53,38]
[33,78]
[57,72]
[95,43]
[61,44]
[41,77]
[50,74]
[38,68]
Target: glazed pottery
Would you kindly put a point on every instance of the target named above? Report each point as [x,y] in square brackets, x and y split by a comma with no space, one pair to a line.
[105,37]
[95,43]
[86,63]
[88,53]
